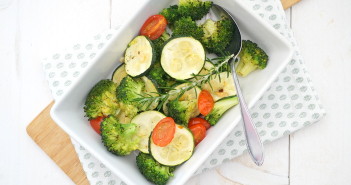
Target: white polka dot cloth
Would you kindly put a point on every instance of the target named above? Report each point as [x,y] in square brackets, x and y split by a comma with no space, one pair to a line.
[288,105]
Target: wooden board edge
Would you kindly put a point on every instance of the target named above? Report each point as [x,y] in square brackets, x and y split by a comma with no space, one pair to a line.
[61,151]
[289,3]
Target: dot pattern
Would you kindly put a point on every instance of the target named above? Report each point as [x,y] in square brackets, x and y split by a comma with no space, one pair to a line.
[288,105]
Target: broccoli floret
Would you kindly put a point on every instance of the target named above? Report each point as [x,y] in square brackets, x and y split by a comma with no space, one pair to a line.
[196,9]
[101,100]
[160,77]
[171,14]
[152,170]
[182,111]
[127,112]
[130,89]
[120,139]
[159,42]
[218,35]
[252,57]
[220,107]
[185,26]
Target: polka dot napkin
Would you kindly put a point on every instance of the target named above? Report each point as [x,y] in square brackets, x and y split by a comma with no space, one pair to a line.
[288,105]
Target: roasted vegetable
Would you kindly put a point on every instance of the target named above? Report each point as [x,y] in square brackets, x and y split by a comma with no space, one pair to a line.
[252,57]
[171,14]
[185,26]
[182,111]
[195,9]
[152,170]
[158,43]
[129,90]
[220,107]
[101,100]
[120,139]
[161,78]
[218,35]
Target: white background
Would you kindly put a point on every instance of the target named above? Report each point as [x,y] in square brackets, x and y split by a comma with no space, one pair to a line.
[30,30]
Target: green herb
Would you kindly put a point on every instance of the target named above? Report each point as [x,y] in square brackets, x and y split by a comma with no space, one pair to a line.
[147,99]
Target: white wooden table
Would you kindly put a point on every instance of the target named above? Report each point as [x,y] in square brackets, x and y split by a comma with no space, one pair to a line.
[29,30]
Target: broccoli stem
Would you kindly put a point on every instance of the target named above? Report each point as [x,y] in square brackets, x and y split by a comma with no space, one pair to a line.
[244,69]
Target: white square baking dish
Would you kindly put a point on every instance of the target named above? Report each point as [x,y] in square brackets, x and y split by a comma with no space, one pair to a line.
[69,115]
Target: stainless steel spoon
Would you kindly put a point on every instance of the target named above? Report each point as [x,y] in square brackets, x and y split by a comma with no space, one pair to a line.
[253,141]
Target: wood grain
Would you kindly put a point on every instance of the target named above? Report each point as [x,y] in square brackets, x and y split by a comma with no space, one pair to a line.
[57,144]
[289,3]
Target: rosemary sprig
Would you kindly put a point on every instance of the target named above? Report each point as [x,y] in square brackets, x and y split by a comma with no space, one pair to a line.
[148,99]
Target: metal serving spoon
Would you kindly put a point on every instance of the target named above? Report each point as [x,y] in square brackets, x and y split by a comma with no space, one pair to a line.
[253,141]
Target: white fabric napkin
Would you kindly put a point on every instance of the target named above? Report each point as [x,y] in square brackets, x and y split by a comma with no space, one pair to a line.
[288,105]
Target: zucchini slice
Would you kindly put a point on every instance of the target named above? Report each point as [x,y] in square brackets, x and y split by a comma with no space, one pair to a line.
[139,56]
[220,107]
[192,94]
[119,74]
[182,57]
[146,122]
[205,70]
[150,89]
[221,85]
[179,150]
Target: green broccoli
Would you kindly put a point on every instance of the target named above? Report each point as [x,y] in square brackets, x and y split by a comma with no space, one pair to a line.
[171,14]
[130,89]
[185,26]
[182,111]
[220,107]
[252,57]
[159,42]
[101,100]
[120,139]
[152,170]
[218,35]
[127,112]
[196,9]
[160,77]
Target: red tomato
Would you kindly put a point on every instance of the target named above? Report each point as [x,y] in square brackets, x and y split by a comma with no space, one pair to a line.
[201,121]
[205,102]
[95,123]
[163,132]
[154,26]
[199,132]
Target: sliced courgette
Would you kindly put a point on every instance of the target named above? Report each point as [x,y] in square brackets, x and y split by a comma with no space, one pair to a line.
[205,70]
[220,107]
[146,122]
[119,74]
[179,150]
[150,90]
[182,57]
[139,56]
[221,85]
[192,94]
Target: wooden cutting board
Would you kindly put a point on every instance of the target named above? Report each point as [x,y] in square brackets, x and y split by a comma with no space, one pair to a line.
[57,144]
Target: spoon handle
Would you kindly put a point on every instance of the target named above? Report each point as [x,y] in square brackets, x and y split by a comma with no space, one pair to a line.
[253,140]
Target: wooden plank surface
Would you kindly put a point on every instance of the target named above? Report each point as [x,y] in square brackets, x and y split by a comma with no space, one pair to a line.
[45,133]
[289,3]
[57,145]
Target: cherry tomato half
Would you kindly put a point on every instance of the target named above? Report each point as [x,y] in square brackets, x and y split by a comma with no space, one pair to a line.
[199,132]
[201,121]
[163,132]
[154,26]
[205,102]
[95,123]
